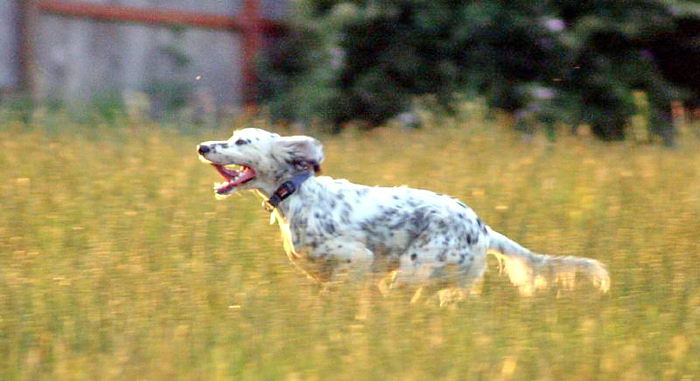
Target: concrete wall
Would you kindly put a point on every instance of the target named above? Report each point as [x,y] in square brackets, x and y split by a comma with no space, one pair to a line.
[9,60]
[80,59]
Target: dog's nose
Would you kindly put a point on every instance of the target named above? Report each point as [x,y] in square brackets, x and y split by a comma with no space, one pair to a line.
[202,149]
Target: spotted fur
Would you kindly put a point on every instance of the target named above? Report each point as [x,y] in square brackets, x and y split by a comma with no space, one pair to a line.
[331,226]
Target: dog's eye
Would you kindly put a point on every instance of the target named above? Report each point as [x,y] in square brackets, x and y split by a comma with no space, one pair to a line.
[240,142]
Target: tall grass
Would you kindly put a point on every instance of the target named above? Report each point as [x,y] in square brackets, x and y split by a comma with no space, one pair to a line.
[116,262]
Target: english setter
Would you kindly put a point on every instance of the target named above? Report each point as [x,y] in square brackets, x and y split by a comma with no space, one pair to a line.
[332,226]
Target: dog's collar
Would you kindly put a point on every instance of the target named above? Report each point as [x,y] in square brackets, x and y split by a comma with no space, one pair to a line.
[285,190]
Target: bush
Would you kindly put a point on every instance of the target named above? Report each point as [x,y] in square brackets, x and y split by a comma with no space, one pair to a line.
[545,62]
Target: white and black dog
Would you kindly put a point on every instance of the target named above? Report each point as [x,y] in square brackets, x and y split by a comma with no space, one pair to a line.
[333,226]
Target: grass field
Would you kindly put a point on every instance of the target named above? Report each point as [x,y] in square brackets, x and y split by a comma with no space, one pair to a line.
[116,262]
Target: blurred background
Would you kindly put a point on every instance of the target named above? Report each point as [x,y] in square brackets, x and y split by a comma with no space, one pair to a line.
[551,65]
[172,54]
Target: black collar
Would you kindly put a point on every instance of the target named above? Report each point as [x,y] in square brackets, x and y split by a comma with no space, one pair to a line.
[285,190]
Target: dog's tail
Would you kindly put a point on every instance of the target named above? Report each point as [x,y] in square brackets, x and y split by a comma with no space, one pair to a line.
[531,271]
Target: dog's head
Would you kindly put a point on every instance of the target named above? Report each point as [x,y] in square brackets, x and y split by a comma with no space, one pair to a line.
[257,159]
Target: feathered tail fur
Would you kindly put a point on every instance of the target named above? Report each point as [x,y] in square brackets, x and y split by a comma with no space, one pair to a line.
[531,271]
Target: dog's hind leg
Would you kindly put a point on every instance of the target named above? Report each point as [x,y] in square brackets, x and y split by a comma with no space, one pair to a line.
[413,273]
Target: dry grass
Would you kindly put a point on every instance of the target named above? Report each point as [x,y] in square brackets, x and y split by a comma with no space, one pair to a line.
[116,263]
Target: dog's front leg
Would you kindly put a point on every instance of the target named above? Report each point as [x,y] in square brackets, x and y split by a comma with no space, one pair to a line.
[351,260]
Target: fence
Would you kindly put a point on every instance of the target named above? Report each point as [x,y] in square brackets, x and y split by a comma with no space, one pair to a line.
[170,49]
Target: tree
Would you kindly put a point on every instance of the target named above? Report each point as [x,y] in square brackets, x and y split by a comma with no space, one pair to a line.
[545,62]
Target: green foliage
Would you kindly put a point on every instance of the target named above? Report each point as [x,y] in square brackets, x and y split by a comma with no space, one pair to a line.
[546,62]
[17,107]
[107,106]
[172,93]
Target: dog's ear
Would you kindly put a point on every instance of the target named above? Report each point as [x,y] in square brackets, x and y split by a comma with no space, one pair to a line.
[301,151]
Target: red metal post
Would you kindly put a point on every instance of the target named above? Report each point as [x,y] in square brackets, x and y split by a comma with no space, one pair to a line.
[118,13]
[252,39]
[24,48]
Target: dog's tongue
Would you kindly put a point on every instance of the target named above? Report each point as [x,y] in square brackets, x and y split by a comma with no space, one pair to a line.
[233,178]
[228,174]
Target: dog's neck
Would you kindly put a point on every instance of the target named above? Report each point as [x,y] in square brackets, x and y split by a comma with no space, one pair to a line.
[287,189]
[305,190]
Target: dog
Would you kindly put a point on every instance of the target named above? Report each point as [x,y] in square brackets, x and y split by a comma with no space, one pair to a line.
[331,227]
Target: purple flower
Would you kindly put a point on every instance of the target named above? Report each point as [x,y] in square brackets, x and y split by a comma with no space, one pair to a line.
[543,93]
[546,43]
[337,57]
[646,54]
[554,25]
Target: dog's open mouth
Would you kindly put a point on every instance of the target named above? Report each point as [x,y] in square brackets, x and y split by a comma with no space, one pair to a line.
[234,175]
